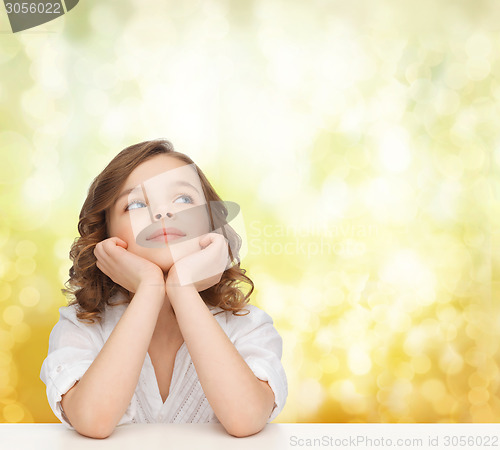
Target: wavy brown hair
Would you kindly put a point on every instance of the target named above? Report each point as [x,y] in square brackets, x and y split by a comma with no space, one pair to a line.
[90,289]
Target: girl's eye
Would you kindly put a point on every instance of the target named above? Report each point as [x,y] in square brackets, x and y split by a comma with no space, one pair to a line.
[184,199]
[135,205]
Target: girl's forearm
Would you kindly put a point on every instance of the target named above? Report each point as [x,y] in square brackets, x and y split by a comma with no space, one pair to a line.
[97,402]
[239,399]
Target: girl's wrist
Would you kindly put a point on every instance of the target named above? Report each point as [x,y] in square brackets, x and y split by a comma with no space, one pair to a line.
[180,294]
[153,286]
[173,286]
[152,278]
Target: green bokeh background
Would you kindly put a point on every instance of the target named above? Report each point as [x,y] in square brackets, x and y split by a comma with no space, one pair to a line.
[361,140]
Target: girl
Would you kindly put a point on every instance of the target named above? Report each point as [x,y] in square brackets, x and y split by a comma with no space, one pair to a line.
[158,329]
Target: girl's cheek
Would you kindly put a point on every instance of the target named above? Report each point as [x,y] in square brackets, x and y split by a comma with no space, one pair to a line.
[120,230]
[138,221]
[124,232]
[194,221]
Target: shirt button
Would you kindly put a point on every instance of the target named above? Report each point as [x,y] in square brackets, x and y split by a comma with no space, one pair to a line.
[59,368]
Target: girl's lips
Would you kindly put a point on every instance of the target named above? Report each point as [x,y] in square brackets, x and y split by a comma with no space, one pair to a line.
[165,234]
[165,237]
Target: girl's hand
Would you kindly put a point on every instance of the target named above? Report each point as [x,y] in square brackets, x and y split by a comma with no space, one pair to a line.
[123,267]
[202,269]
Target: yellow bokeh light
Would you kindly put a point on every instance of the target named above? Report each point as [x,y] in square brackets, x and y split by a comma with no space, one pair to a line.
[26,249]
[478,395]
[5,291]
[13,413]
[29,296]
[359,360]
[6,340]
[21,332]
[13,315]
[25,266]
[421,363]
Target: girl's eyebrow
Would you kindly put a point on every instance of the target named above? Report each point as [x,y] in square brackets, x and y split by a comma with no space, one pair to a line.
[137,188]
[126,192]
[187,184]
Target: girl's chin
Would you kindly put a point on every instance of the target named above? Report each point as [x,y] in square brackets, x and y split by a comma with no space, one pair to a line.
[159,256]
[165,257]
[165,264]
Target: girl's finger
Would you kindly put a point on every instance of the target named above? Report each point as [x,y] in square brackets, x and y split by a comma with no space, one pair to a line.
[119,242]
[98,250]
[106,247]
[101,253]
[110,246]
[206,240]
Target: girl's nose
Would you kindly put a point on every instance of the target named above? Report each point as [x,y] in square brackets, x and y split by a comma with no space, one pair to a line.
[158,216]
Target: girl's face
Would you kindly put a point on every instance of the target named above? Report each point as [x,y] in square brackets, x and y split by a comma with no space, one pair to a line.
[161,211]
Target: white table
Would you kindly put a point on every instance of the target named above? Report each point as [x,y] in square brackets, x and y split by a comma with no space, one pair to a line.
[53,436]
[275,436]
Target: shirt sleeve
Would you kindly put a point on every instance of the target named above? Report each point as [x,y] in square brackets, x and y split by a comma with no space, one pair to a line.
[73,346]
[261,346]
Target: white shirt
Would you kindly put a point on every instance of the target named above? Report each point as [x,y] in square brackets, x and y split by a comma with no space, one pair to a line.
[73,346]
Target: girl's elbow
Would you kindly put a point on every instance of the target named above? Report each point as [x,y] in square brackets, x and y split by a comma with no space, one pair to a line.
[95,431]
[243,430]
[246,425]
[94,426]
